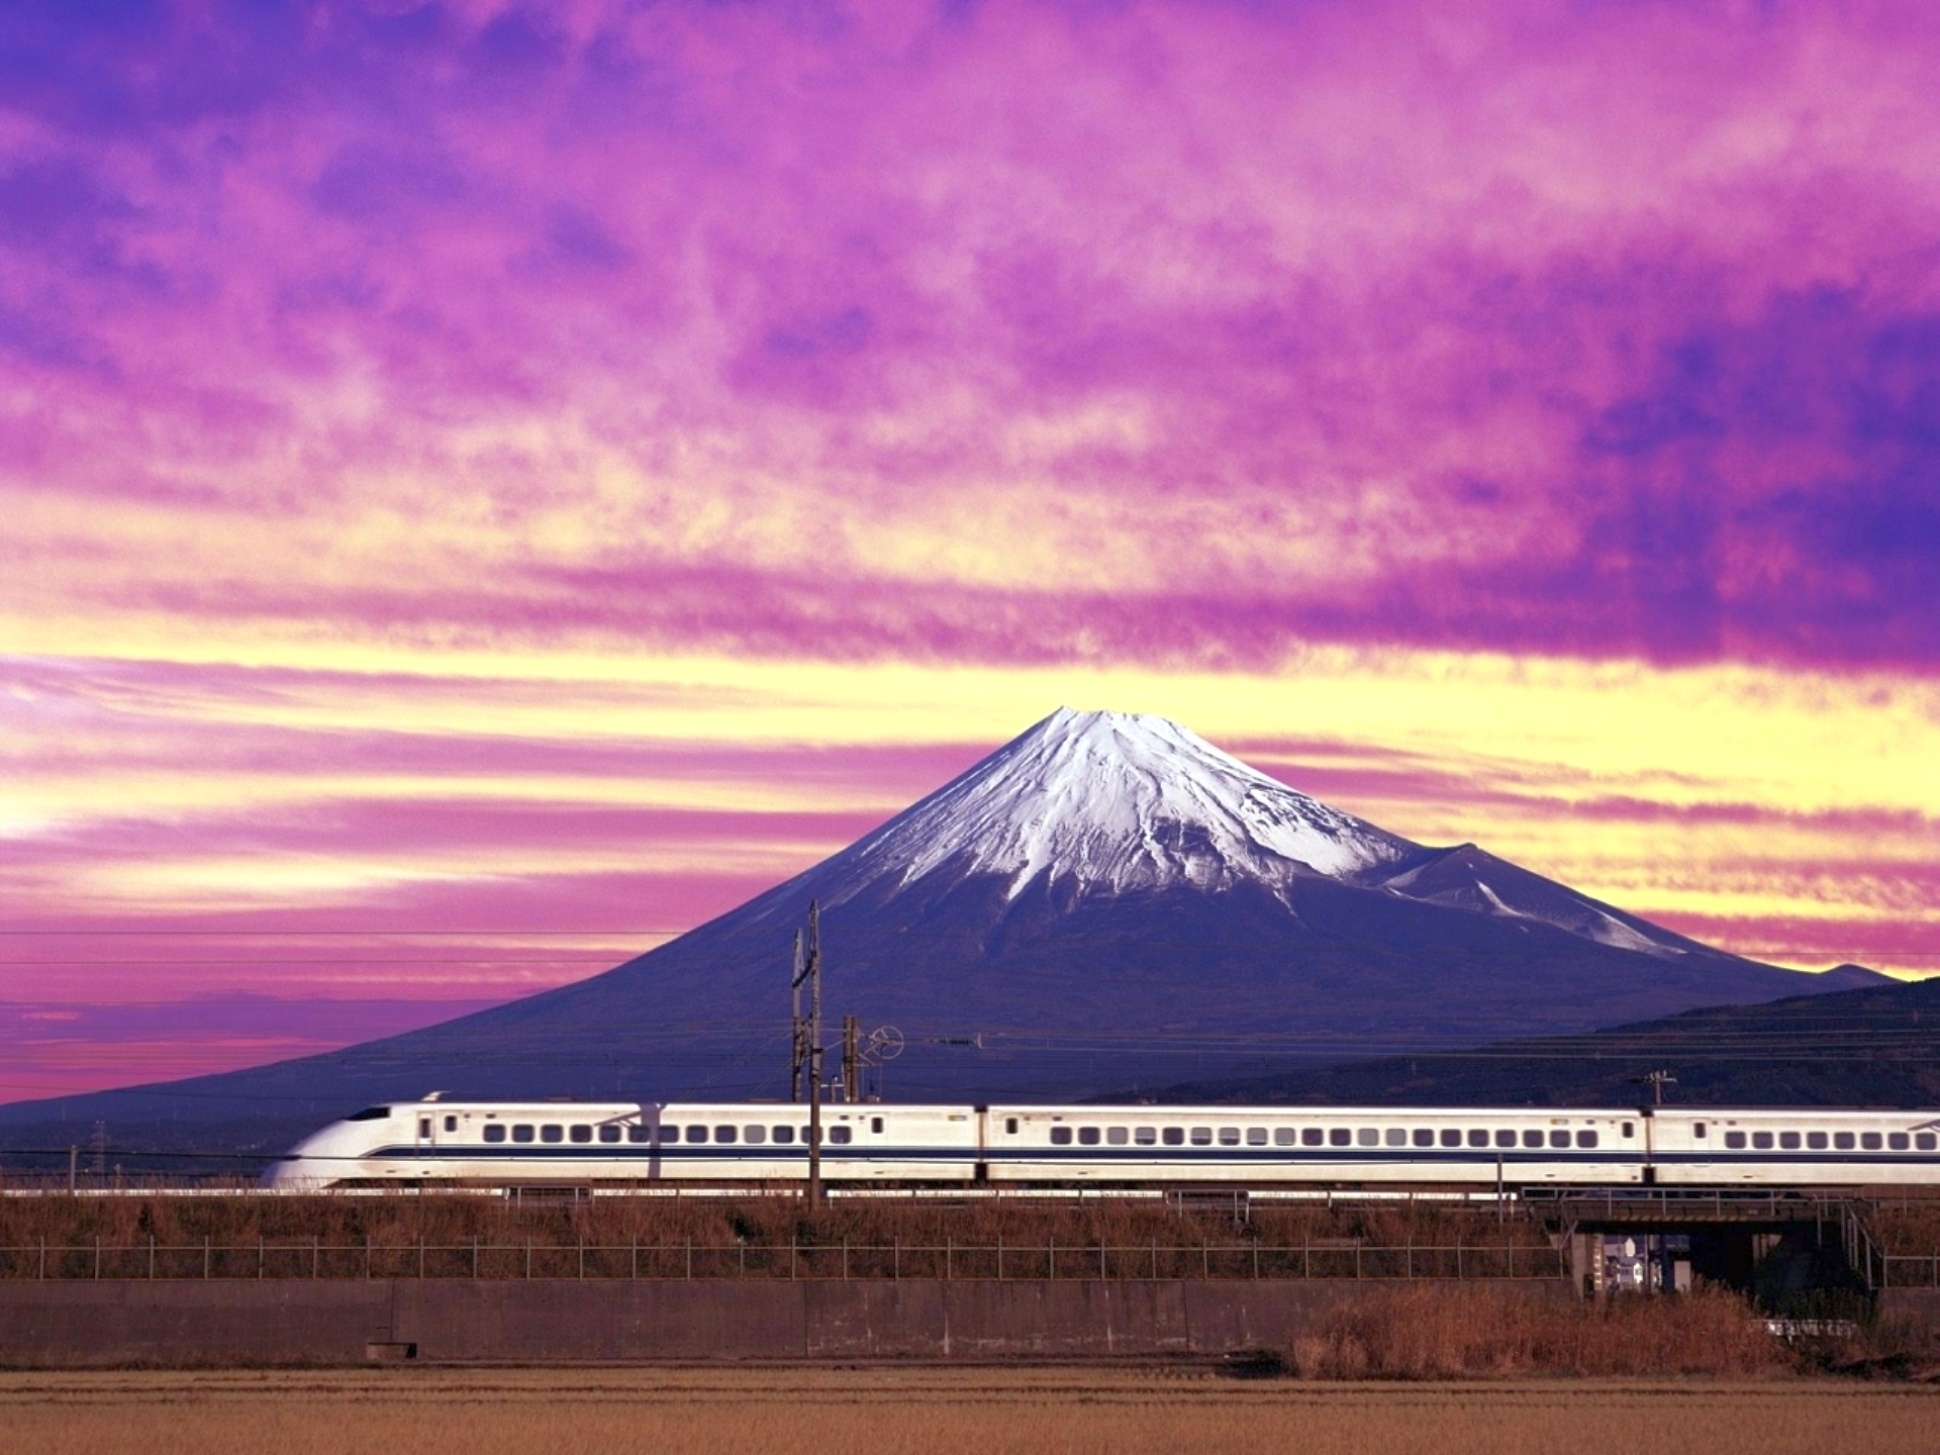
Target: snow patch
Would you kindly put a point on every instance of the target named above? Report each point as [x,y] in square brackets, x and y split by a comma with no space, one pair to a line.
[1120,801]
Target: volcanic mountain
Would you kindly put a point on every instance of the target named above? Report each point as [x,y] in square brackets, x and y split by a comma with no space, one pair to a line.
[1108,901]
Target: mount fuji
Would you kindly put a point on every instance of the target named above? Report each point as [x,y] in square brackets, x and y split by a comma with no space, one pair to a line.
[1108,901]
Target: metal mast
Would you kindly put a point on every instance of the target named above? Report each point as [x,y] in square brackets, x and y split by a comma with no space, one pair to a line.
[813,970]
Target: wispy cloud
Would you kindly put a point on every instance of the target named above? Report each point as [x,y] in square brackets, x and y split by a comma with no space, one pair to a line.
[437,362]
[1035,332]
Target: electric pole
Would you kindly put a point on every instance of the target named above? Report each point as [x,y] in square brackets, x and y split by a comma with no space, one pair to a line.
[808,1043]
[851,1059]
[1657,1081]
[797,1029]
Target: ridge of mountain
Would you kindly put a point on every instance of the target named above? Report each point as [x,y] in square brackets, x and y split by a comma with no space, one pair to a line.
[1877,1045]
[1105,892]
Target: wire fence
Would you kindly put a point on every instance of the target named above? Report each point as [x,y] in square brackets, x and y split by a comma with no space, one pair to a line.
[1318,1259]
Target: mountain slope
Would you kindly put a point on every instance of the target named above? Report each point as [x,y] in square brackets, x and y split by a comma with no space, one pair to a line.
[1877,1046]
[1108,900]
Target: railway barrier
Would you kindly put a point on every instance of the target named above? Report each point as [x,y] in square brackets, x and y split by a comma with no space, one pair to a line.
[1314,1260]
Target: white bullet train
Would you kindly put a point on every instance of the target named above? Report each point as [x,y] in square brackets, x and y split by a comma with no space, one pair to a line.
[554,1143]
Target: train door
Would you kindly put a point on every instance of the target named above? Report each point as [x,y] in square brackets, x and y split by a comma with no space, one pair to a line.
[426,1139]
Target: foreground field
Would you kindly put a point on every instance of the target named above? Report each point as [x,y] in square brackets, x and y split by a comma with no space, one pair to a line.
[939,1412]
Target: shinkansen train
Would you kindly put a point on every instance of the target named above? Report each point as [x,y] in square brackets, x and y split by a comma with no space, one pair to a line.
[480,1143]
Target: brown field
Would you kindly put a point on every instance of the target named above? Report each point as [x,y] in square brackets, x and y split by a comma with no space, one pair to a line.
[940,1412]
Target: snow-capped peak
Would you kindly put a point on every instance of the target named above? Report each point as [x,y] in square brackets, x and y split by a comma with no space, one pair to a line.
[1120,801]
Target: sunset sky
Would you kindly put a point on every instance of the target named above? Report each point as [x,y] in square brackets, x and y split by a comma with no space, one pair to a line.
[486,486]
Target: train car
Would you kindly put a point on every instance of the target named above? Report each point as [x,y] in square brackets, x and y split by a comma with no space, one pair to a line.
[1725,1147]
[1338,1146]
[503,1143]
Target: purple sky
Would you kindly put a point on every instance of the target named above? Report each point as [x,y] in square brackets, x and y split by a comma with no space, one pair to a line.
[394,397]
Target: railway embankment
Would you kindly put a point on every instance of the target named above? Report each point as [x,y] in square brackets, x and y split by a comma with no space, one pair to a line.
[240,1280]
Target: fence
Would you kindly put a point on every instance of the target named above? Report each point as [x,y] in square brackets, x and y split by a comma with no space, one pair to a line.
[1333,1259]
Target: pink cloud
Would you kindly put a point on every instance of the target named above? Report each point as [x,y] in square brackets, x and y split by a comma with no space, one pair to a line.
[1540,328]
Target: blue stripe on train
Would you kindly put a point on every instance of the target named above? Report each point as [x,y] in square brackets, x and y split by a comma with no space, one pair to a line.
[1288,1157]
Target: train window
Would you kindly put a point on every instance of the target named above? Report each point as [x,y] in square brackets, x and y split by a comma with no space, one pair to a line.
[1789,1141]
[1172,1136]
[1010,1126]
[1145,1136]
[1060,1136]
[1630,1129]
[1505,1137]
[582,1133]
[1870,1141]
[1899,1142]
[552,1132]
[1844,1141]
[1201,1136]
[840,1134]
[494,1133]
[1397,1136]
[1478,1137]
[669,1134]
[1559,1139]
[609,1133]
[1311,1136]
[1925,1141]
[638,1133]
[1817,1141]
[1451,1137]
[451,1124]
[1283,1136]
[1586,1139]
[1256,1136]
[1761,1140]
[784,1134]
[1229,1136]
[756,1134]
[1735,1141]
[875,1124]
[1532,1138]
[727,1134]
[1424,1136]
[1368,1137]
[369,1114]
[1087,1136]
[522,1132]
[697,1134]
[1338,1136]
[1118,1136]
[424,1126]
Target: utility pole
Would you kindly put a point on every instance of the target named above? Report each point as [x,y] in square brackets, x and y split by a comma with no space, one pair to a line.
[808,1043]
[798,1029]
[1657,1081]
[851,1059]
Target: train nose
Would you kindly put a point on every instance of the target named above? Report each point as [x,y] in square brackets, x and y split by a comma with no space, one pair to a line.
[317,1161]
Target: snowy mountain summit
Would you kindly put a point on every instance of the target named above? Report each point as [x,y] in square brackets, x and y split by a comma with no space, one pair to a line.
[1113,802]
[1091,806]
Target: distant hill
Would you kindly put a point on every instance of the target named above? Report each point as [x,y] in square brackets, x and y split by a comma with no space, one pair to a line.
[1108,898]
[1878,1046]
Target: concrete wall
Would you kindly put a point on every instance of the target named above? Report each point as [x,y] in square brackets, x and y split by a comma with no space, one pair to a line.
[70,1324]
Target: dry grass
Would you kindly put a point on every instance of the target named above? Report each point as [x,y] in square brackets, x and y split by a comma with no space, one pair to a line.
[1908,1225]
[1443,1333]
[126,1226]
[937,1412]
